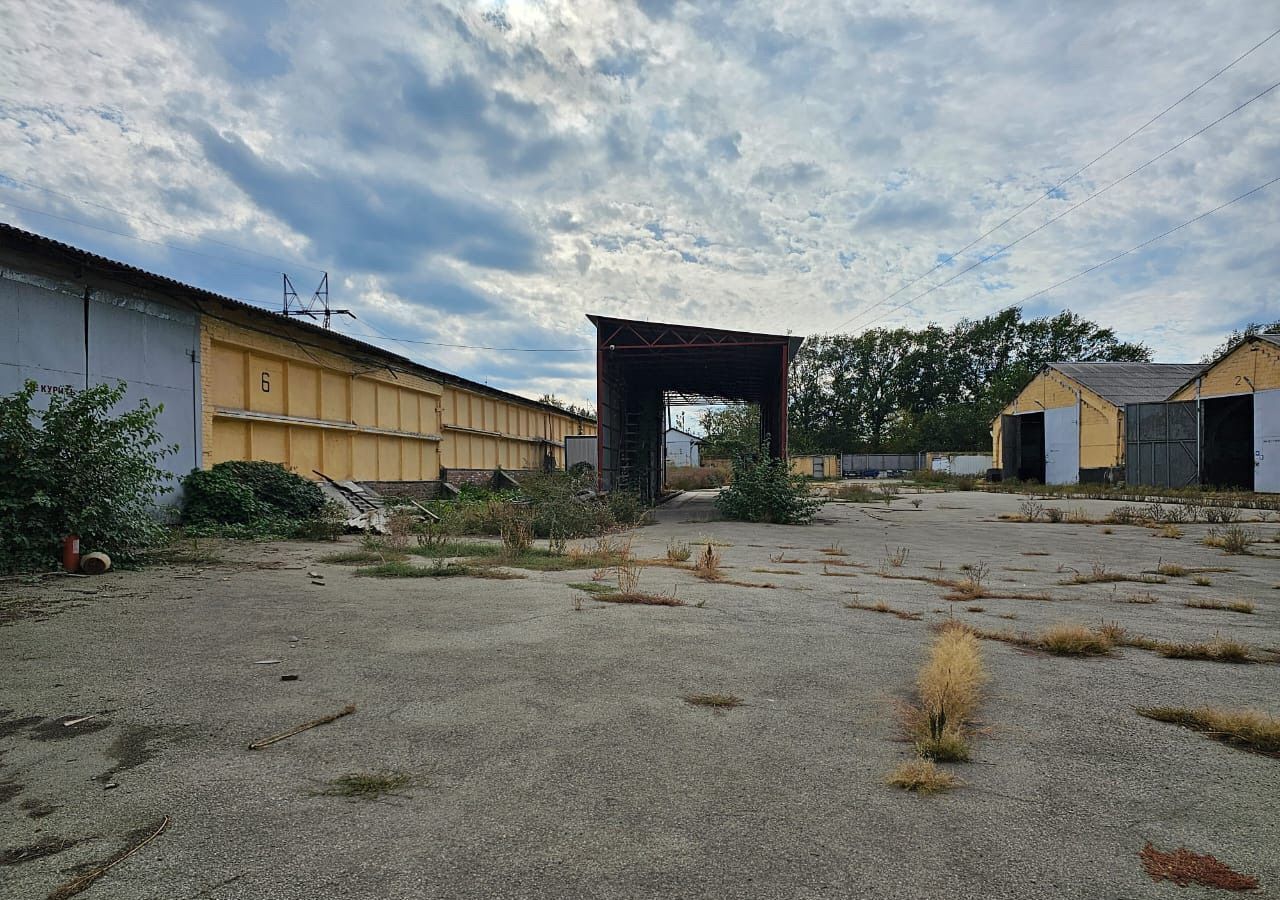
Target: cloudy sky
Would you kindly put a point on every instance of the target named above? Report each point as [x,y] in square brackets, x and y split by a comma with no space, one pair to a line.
[486,173]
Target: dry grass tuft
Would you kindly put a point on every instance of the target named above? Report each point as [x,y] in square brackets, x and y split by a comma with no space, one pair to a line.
[678,551]
[949,686]
[1247,729]
[881,607]
[1219,649]
[1237,606]
[640,599]
[1171,531]
[1068,639]
[975,609]
[1140,598]
[778,571]
[1100,575]
[1183,867]
[922,777]
[1201,581]
[708,565]
[834,550]
[715,701]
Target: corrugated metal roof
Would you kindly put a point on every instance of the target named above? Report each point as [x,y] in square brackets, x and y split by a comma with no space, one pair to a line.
[84,257]
[1129,382]
[1272,337]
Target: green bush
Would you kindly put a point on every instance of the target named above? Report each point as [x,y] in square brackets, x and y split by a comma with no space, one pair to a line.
[245,492]
[78,468]
[764,490]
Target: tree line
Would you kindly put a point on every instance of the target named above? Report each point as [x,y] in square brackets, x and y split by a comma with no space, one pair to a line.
[933,388]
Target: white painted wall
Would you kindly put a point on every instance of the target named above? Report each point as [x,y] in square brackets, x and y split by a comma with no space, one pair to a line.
[1266,441]
[52,338]
[1062,445]
[682,450]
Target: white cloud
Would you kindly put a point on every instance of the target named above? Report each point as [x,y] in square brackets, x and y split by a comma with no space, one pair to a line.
[488,173]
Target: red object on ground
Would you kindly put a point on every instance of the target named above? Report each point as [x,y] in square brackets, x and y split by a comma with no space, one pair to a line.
[71,553]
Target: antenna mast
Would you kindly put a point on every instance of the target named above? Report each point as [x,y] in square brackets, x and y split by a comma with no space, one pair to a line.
[319,302]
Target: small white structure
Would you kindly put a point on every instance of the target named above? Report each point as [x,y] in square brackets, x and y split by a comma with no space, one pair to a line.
[682,448]
[960,463]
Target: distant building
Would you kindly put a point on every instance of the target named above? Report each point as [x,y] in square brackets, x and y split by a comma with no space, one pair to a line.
[682,448]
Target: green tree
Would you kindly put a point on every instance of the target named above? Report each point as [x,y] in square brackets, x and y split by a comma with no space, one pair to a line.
[575,409]
[1239,335]
[729,430]
[932,388]
[78,467]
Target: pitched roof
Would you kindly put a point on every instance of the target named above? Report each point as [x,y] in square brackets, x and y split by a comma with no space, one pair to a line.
[685,433]
[1272,336]
[1129,382]
[38,243]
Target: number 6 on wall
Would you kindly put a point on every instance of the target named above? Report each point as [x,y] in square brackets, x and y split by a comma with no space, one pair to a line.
[266,382]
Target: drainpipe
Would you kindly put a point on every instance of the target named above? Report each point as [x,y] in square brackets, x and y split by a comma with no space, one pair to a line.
[1199,433]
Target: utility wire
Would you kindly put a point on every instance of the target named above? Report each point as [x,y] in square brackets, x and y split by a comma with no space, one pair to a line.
[151,221]
[388,337]
[1106,262]
[1070,209]
[1128,137]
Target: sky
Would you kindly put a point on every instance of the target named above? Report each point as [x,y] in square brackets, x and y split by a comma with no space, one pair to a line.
[488,173]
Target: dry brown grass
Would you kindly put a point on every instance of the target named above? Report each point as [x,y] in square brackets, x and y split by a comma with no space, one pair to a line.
[975,609]
[715,701]
[708,565]
[1183,867]
[1202,581]
[834,550]
[678,551]
[640,599]
[1218,649]
[778,571]
[1140,598]
[1247,729]
[1236,606]
[1099,574]
[922,777]
[881,607]
[949,688]
[1070,639]
[826,570]
[1171,531]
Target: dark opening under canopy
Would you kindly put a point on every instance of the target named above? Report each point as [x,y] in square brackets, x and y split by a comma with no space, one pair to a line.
[643,366]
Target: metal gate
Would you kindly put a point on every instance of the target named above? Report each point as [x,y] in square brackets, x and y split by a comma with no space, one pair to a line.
[1162,444]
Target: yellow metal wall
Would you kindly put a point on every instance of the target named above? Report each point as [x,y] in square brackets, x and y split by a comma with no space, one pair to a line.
[266,397]
[483,432]
[803,465]
[1101,423]
[1257,361]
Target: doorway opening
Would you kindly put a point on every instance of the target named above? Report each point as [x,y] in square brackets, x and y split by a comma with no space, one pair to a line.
[1227,448]
[1031,455]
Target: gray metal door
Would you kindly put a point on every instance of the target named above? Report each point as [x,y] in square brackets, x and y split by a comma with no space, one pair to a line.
[1161,444]
[819,468]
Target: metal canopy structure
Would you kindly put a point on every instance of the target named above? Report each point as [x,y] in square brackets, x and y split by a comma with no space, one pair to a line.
[643,366]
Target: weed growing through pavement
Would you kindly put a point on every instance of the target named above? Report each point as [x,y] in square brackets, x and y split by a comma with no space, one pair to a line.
[1247,729]
[922,777]
[1183,867]
[678,551]
[881,607]
[714,701]
[1202,581]
[949,687]
[366,785]
[708,565]
[897,557]
[1236,606]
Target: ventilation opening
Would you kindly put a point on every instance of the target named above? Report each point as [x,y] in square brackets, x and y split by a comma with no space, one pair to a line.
[1031,447]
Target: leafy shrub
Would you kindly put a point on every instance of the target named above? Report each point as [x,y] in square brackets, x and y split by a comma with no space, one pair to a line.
[764,490]
[77,468]
[243,492]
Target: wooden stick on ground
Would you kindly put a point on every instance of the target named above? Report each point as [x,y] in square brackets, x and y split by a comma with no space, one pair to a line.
[71,888]
[323,720]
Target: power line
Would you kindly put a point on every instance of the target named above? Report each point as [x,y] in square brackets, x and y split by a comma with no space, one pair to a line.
[1070,209]
[1106,262]
[1070,177]
[472,346]
[150,221]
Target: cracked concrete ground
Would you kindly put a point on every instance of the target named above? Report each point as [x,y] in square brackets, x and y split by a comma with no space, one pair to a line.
[552,754]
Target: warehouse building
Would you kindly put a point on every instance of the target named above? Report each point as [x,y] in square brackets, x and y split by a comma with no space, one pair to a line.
[1068,424]
[241,382]
[1220,428]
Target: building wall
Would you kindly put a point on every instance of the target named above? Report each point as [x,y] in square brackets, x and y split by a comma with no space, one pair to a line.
[267,397]
[1257,361]
[682,450]
[485,432]
[1101,423]
[803,465]
[56,336]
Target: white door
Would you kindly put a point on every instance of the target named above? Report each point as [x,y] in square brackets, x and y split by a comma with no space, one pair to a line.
[1266,441]
[1062,445]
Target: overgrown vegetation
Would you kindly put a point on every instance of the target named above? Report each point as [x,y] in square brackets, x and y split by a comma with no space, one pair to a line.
[693,478]
[1247,729]
[439,569]
[254,498]
[949,687]
[1068,639]
[764,490]
[80,466]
